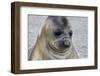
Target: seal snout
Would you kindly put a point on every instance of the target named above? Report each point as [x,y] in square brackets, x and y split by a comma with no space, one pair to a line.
[66,42]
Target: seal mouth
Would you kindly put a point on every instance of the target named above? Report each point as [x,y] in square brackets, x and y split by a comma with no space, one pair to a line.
[56,50]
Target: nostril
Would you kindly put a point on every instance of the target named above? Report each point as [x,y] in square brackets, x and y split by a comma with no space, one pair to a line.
[64,38]
[70,33]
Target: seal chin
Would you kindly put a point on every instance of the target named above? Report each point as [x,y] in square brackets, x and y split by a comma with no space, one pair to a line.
[56,49]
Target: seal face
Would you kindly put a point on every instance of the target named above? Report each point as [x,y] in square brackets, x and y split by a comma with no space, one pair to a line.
[59,33]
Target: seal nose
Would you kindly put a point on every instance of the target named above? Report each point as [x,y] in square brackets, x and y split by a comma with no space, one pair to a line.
[66,42]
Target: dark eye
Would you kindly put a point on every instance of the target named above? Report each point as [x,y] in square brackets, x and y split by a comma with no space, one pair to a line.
[70,33]
[58,33]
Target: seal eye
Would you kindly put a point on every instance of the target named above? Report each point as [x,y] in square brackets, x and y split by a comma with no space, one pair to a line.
[58,33]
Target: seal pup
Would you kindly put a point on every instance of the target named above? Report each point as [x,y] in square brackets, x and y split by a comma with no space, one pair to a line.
[54,41]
